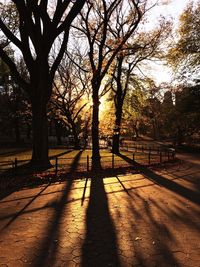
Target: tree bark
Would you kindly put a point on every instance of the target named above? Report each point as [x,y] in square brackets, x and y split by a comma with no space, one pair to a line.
[96,159]
[58,129]
[76,139]
[40,135]
[116,134]
[119,100]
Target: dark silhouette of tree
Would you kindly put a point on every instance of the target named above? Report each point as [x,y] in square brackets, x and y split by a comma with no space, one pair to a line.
[14,108]
[97,23]
[143,46]
[39,25]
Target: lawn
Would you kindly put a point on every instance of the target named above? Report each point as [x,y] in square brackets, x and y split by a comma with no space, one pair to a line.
[80,160]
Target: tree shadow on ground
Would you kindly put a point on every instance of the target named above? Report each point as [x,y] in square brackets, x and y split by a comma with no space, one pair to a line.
[171,185]
[152,237]
[16,215]
[12,179]
[100,244]
[148,237]
[15,151]
[47,250]
[61,154]
[151,229]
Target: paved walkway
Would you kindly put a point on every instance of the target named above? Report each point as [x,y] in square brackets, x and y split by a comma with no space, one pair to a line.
[148,219]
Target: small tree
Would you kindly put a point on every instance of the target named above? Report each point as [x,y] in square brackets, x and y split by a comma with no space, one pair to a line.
[68,96]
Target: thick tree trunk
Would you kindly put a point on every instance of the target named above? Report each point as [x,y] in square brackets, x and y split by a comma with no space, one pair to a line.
[96,160]
[115,144]
[40,135]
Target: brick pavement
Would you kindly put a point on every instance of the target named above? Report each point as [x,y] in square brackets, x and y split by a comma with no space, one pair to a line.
[135,220]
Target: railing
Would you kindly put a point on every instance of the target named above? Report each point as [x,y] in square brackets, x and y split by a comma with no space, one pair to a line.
[130,155]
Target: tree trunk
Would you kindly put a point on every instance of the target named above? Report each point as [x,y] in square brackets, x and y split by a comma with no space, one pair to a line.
[58,128]
[96,160]
[119,100]
[116,134]
[76,139]
[115,144]
[40,135]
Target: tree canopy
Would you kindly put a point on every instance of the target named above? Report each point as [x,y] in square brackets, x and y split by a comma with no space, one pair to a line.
[184,56]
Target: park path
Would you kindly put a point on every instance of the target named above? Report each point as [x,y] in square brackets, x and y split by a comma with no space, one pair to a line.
[147,219]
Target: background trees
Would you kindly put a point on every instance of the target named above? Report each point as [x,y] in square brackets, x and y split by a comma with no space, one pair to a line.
[184,55]
[110,49]
[141,48]
[69,97]
[98,23]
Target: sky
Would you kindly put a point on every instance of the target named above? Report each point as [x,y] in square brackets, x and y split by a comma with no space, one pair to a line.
[160,72]
[172,9]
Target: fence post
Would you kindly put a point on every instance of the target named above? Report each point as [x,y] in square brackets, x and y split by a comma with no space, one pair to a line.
[168,155]
[88,163]
[113,161]
[160,156]
[56,166]
[149,157]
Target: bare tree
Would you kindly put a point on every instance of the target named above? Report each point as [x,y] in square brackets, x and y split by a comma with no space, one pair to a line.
[68,95]
[39,25]
[95,23]
[149,47]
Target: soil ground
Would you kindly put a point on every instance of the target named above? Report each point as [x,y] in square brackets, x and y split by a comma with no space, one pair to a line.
[145,219]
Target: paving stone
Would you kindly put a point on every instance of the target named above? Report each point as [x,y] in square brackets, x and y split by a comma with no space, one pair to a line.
[149,225]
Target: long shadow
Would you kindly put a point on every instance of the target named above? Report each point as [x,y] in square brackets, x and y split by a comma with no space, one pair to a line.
[61,154]
[23,209]
[123,186]
[100,244]
[14,152]
[27,168]
[19,174]
[84,191]
[187,193]
[47,251]
[160,251]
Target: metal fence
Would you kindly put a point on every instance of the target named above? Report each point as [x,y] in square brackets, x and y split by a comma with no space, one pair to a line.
[129,156]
